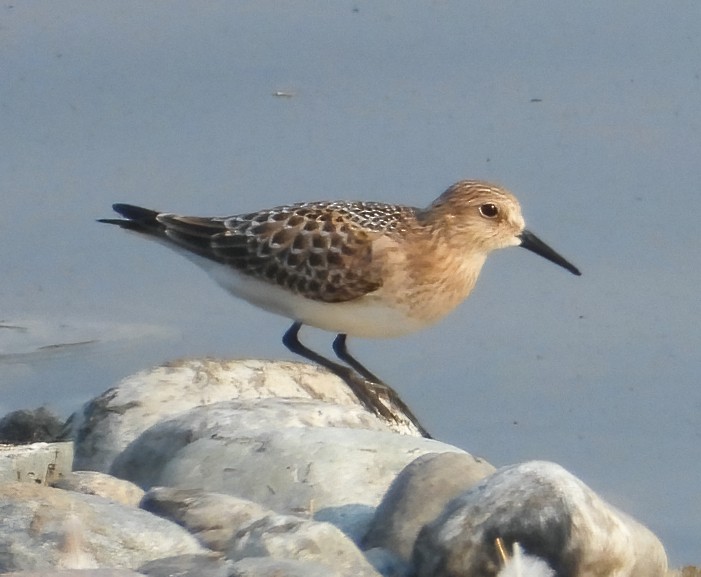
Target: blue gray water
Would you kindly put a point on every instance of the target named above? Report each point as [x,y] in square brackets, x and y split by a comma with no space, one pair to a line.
[589,112]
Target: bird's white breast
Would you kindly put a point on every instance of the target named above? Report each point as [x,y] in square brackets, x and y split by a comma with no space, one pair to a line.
[370,316]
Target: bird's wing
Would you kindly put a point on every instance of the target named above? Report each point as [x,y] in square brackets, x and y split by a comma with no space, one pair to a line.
[310,249]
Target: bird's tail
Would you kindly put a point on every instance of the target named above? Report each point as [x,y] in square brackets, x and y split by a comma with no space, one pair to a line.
[136,218]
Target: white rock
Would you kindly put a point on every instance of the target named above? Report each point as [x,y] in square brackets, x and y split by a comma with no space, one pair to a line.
[418,495]
[214,518]
[269,567]
[103,485]
[228,419]
[108,423]
[46,527]
[551,514]
[210,565]
[36,463]
[335,474]
[52,572]
[292,538]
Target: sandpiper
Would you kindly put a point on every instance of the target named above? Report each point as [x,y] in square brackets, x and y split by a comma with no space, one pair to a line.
[365,269]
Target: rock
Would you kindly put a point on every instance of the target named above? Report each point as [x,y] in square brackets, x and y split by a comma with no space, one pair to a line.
[333,474]
[107,572]
[551,514]
[418,495]
[387,563]
[103,485]
[288,537]
[30,426]
[38,463]
[269,567]
[188,566]
[217,520]
[43,527]
[108,423]
[213,518]
[226,419]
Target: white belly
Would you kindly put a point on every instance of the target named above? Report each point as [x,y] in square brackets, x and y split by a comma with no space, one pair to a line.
[368,317]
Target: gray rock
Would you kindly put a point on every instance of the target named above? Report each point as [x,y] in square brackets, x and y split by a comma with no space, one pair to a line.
[107,572]
[288,537]
[28,426]
[213,518]
[268,567]
[418,495]
[228,419]
[333,474]
[553,516]
[43,528]
[188,566]
[39,463]
[388,564]
[103,485]
[108,423]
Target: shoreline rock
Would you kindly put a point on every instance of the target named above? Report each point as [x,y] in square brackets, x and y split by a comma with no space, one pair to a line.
[260,468]
[108,423]
[39,463]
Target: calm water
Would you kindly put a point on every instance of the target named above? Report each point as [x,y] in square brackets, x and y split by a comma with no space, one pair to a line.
[590,113]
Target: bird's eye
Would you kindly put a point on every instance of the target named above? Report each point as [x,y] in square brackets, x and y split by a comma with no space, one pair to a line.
[489,210]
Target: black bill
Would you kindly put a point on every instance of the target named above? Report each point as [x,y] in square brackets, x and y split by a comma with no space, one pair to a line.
[534,244]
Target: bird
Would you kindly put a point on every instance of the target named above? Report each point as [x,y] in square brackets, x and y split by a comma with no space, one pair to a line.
[354,268]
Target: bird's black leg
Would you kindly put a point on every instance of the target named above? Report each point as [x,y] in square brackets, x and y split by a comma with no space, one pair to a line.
[358,386]
[341,350]
[363,383]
